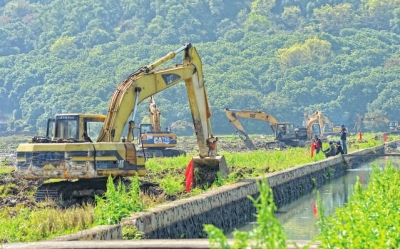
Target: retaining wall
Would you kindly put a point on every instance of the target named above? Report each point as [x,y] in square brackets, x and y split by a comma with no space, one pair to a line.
[227,207]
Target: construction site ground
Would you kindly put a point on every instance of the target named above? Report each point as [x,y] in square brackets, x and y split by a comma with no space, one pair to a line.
[15,191]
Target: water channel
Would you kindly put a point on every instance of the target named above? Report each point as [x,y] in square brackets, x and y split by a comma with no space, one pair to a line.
[299,217]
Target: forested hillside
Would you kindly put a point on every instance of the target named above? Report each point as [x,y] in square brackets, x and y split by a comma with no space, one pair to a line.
[283,57]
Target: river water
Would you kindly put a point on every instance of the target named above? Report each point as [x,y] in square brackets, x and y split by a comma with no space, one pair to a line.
[300,216]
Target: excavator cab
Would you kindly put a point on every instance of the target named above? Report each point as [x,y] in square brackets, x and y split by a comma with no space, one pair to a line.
[71,128]
[74,127]
[285,131]
[287,134]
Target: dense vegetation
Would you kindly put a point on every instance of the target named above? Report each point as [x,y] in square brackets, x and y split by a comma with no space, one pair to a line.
[369,220]
[283,57]
[31,221]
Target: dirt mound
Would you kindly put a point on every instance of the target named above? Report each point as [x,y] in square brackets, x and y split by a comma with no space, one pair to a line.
[14,191]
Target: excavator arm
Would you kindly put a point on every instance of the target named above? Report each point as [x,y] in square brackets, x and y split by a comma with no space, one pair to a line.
[147,81]
[233,115]
[155,115]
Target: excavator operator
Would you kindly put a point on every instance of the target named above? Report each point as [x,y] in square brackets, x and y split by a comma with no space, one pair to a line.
[282,131]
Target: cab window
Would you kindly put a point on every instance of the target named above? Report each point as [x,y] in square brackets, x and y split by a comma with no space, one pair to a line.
[67,128]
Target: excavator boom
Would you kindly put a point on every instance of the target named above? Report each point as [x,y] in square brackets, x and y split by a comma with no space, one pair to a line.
[233,114]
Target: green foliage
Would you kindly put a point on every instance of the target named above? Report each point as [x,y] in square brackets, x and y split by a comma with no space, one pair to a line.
[59,56]
[313,50]
[269,233]
[334,18]
[131,233]
[369,220]
[257,22]
[170,185]
[117,202]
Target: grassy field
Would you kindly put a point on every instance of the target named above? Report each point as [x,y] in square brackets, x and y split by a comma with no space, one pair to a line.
[35,222]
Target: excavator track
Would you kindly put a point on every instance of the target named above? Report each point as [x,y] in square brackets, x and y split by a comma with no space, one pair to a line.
[86,189]
[161,153]
[78,189]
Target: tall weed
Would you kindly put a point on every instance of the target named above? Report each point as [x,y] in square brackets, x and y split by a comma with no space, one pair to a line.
[20,224]
[269,233]
[117,202]
[370,219]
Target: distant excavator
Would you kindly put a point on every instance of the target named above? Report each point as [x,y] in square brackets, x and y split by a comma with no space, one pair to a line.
[153,141]
[328,128]
[392,125]
[285,134]
[181,123]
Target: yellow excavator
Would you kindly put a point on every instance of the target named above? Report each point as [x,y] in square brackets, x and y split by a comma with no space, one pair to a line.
[329,127]
[392,125]
[68,150]
[181,123]
[284,132]
[153,141]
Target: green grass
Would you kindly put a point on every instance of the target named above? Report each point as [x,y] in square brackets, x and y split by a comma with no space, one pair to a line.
[21,224]
[6,170]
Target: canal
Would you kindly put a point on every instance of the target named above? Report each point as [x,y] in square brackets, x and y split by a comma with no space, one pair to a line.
[299,217]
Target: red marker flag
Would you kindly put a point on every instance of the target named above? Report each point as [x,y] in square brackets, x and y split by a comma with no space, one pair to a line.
[360,136]
[315,210]
[312,149]
[189,175]
[384,137]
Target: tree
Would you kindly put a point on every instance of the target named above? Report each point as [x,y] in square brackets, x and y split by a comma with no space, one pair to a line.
[262,7]
[377,13]
[257,22]
[313,50]
[291,17]
[334,18]
[395,22]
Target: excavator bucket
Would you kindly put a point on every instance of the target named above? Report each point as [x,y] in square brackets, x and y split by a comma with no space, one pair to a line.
[205,169]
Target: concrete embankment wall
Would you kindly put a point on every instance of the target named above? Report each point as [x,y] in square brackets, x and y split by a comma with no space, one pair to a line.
[227,207]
